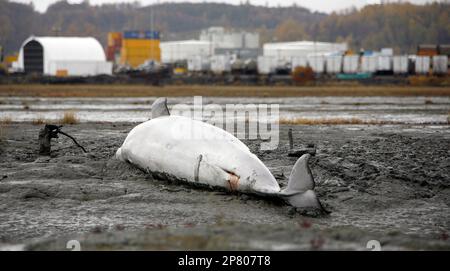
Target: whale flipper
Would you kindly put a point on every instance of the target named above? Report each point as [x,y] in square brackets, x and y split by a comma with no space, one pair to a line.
[299,191]
[159,108]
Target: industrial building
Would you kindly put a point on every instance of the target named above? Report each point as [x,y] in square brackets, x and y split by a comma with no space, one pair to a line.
[63,56]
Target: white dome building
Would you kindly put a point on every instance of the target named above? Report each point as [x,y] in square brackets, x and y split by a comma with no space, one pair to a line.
[63,56]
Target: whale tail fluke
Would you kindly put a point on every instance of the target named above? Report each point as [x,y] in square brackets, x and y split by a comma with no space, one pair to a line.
[300,189]
[159,108]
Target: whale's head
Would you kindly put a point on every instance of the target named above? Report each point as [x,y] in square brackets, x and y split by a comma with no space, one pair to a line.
[119,155]
[254,176]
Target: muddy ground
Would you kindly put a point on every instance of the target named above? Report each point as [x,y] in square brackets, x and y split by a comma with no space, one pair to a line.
[385,183]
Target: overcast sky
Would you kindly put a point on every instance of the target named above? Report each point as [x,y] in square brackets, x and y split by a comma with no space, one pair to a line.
[315,5]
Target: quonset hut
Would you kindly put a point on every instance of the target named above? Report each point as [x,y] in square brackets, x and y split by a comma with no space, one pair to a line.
[63,56]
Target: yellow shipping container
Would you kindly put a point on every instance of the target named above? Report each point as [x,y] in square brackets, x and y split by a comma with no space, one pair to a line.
[10,59]
[137,51]
[62,73]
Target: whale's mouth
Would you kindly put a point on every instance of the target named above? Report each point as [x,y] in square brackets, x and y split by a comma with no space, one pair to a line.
[233,180]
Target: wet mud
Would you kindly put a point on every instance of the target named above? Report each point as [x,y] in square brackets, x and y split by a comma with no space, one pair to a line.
[385,183]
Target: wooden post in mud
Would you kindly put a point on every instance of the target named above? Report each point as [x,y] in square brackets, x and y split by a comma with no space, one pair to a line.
[291,140]
[45,136]
[51,131]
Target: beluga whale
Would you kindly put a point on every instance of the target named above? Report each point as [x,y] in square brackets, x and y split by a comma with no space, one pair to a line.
[160,147]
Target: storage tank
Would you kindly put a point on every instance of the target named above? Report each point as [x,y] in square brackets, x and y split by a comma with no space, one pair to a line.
[251,40]
[351,64]
[400,64]
[302,48]
[224,38]
[422,65]
[174,51]
[266,64]
[440,64]
[384,63]
[317,63]
[334,64]
[199,64]
[220,64]
[387,52]
[369,64]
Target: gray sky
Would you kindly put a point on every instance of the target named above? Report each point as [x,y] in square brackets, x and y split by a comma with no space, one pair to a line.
[315,5]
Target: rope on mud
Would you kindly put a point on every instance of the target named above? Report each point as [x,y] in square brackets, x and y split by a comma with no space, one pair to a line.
[73,139]
[49,132]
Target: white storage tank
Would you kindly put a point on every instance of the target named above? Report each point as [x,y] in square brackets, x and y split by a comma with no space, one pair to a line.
[302,48]
[266,64]
[317,63]
[251,40]
[400,64]
[351,64]
[220,64]
[334,64]
[174,51]
[440,64]
[199,64]
[369,64]
[422,65]
[224,38]
[387,52]
[384,63]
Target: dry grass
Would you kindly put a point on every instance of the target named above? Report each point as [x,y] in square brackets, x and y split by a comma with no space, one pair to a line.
[69,117]
[3,122]
[6,120]
[422,80]
[331,121]
[39,121]
[219,91]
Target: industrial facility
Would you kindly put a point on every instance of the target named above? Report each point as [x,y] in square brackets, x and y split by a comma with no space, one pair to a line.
[63,56]
[218,52]
[212,42]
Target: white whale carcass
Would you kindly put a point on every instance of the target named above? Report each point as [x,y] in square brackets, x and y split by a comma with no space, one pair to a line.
[160,146]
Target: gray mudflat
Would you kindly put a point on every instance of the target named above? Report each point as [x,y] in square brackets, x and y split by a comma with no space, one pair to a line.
[387,183]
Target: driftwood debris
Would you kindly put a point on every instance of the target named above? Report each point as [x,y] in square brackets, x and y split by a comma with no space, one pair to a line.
[47,133]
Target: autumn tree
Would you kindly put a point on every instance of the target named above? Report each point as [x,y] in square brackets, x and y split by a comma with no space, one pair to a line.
[290,30]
